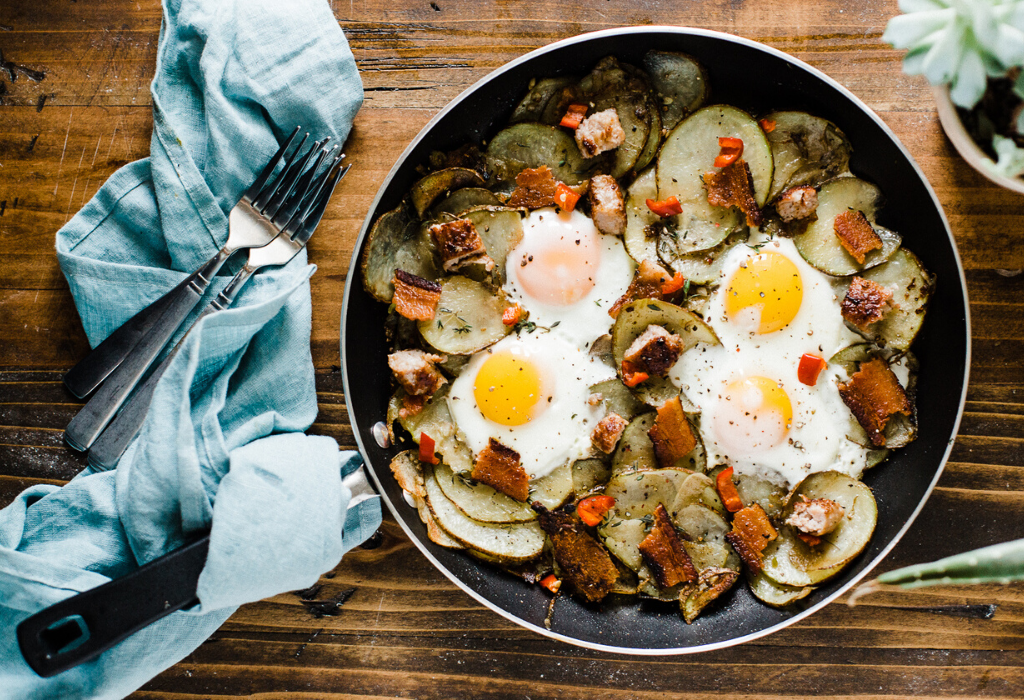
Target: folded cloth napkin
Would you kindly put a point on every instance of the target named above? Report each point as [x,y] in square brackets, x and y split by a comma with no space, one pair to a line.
[222,448]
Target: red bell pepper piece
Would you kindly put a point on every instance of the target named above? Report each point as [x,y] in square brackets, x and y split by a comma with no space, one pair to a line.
[565,198]
[731,148]
[427,449]
[727,491]
[673,285]
[809,368]
[591,510]
[512,315]
[666,207]
[574,116]
[551,583]
[631,377]
[767,125]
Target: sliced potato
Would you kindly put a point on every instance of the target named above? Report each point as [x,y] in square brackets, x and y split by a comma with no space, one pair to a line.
[703,525]
[554,489]
[511,543]
[653,138]
[616,398]
[901,429]
[501,230]
[622,537]
[807,150]
[468,317]
[434,532]
[776,594]
[753,489]
[912,287]
[820,246]
[706,266]
[480,501]
[435,419]
[407,469]
[455,452]
[635,451]
[396,243]
[697,489]
[588,474]
[680,81]
[427,189]
[531,145]
[613,86]
[779,564]
[463,200]
[640,237]
[636,316]
[638,494]
[690,151]
[531,107]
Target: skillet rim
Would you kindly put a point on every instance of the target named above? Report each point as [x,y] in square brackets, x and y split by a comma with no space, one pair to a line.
[354,274]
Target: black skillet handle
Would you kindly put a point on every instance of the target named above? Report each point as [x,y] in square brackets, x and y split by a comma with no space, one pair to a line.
[84,626]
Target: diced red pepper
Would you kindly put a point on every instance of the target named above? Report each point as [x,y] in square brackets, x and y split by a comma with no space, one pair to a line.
[809,368]
[767,125]
[591,510]
[565,198]
[574,116]
[631,377]
[673,285]
[427,449]
[512,315]
[730,148]
[812,540]
[727,491]
[551,582]
[665,207]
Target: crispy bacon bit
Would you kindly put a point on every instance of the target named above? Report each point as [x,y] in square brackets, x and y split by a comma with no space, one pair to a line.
[646,284]
[856,235]
[874,395]
[535,188]
[866,302]
[797,203]
[810,540]
[663,552]
[600,132]
[654,351]
[816,517]
[671,433]
[751,533]
[459,245]
[733,186]
[499,467]
[583,561]
[606,434]
[415,371]
[415,298]
[607,205]
[412,406]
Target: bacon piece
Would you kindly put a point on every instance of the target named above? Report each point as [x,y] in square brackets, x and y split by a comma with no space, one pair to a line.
[671,433]
[751,533]
[412,406]
[535,188]
[606,434]
[583,561]
[459,245]
[816,517]
[874,395]
[663,552]
[600,132]
[654,351]
[415,371]
[733,186]
[797,203]
[415,298]
[499,467]
[646,284]
[866,302]
[855,234]
[607,205]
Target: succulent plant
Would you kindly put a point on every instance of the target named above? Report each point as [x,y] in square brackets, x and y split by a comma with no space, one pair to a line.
[998,563]
[959,43]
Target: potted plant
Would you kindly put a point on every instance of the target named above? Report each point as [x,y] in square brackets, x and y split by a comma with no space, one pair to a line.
[972,52]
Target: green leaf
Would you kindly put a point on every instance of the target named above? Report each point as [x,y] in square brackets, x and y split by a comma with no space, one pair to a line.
[999,563]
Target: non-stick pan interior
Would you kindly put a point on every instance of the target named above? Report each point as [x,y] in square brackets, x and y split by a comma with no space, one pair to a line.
[759,80]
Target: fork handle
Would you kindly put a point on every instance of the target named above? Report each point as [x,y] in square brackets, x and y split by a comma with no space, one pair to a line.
[82,379]
[86,426]
[111,444]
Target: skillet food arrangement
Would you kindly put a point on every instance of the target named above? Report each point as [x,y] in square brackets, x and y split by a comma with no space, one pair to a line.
[645,344]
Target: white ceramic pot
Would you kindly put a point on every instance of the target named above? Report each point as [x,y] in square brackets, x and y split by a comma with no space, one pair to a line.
[965,145]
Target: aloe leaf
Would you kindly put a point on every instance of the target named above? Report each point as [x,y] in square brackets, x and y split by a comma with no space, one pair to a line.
[999,563]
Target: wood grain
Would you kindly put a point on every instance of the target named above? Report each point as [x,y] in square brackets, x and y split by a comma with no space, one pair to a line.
[407,631]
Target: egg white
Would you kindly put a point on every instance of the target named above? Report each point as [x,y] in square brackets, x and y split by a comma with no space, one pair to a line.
[560,431]
[817,439]
[582,322]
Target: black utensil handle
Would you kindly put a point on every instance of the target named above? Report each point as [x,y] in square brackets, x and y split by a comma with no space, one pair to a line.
[82,379]
[82,627]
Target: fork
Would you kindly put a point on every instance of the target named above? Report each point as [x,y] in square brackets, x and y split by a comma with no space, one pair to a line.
[265,215]
[247,228]
[112,443]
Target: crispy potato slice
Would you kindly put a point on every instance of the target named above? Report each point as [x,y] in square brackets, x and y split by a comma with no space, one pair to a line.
[480,501]
[428,189]
[468,317]
[807,150]
[396,242]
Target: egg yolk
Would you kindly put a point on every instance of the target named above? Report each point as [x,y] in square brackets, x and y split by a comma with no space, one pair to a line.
[765,294]
[560,264]
[755,413]
[508,389]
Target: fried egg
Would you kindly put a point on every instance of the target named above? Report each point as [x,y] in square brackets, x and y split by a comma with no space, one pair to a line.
[769,309]
[567,274]
[529,392]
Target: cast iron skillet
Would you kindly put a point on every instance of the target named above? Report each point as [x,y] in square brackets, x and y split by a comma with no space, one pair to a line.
[759,79]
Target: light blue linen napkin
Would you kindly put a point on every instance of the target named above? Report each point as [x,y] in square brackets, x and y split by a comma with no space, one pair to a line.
[222,448]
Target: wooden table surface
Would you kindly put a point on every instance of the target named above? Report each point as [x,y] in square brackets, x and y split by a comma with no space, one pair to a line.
[406,631]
